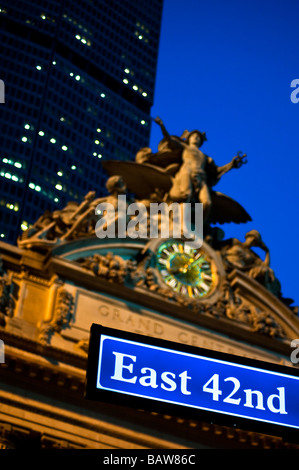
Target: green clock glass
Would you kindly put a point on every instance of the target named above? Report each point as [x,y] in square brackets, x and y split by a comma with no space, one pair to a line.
[188,271]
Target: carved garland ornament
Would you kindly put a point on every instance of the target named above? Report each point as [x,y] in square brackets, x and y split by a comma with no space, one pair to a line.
[229,305]
[63,312]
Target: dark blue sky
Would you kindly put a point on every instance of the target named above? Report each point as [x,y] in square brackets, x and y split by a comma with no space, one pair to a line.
[225,67]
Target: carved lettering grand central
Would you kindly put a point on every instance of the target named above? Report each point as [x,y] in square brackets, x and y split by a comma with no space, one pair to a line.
[94,308]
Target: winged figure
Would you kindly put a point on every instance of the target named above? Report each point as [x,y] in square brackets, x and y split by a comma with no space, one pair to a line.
[181,172]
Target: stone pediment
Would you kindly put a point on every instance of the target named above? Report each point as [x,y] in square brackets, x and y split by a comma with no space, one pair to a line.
[54,298]
[239,297]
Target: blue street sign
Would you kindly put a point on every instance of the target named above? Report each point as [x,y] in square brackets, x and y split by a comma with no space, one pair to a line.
[143,368]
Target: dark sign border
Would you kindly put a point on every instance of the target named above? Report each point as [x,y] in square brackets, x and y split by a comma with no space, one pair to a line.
[121,399]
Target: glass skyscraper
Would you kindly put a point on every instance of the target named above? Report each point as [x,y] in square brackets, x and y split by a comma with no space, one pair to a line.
[79,81]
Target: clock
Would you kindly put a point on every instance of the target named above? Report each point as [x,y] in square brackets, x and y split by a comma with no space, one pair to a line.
[188,271]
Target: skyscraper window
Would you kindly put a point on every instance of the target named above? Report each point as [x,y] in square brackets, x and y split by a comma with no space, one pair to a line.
[79,88]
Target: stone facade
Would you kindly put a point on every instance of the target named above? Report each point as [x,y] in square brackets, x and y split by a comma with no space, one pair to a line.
[49,299]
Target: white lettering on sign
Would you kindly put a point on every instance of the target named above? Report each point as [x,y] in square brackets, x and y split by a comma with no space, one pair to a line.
[169,381]
[119,366]
[124,366]
[212,386]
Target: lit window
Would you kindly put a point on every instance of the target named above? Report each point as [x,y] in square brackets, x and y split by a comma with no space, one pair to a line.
[103,95]
[24,225]
[99,130]
[56,199]
[5,160]
[64,147]
[126,81]
[83,41]
[140,37]
[100,155]
[53,141]
[135,87]
[24,139]
[59,173]
[73,167]
[144,94]
[97,142]
[127,70]
[54,62]
[78,37]
[142,122]
[41,133]
[31,185]
[62,119]
[58,186]
[71,74]
[14,178]
[38,67]
[18,165]
[37,188]
[27,126]
[77,77]
[2,235]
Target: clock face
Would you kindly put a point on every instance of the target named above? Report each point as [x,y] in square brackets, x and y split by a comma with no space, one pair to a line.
[187,270]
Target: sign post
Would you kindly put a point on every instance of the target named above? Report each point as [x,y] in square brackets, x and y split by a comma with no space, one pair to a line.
[159,375]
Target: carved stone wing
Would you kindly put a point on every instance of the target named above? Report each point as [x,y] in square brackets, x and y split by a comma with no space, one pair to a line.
[225,210]
[141,179]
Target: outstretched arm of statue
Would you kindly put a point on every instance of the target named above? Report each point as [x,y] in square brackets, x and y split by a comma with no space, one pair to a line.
[165,133]
[266,261]
[236,162]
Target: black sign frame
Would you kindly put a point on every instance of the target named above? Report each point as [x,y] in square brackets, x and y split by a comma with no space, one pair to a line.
[117,398]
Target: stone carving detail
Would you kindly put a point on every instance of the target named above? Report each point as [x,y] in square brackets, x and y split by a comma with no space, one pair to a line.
[62,315]
[73,221]
[7,302]
[258,320]
[236,254]
[229,305]
[239,255]
[112,267]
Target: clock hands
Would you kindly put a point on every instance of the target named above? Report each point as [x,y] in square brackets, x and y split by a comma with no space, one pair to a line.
[191,263]
[188,272]
[195,262]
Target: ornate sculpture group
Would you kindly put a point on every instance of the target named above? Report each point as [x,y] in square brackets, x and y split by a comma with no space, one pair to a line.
[178,172]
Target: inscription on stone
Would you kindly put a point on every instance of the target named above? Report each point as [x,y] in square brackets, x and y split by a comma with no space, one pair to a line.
[93,308]
[113,316]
